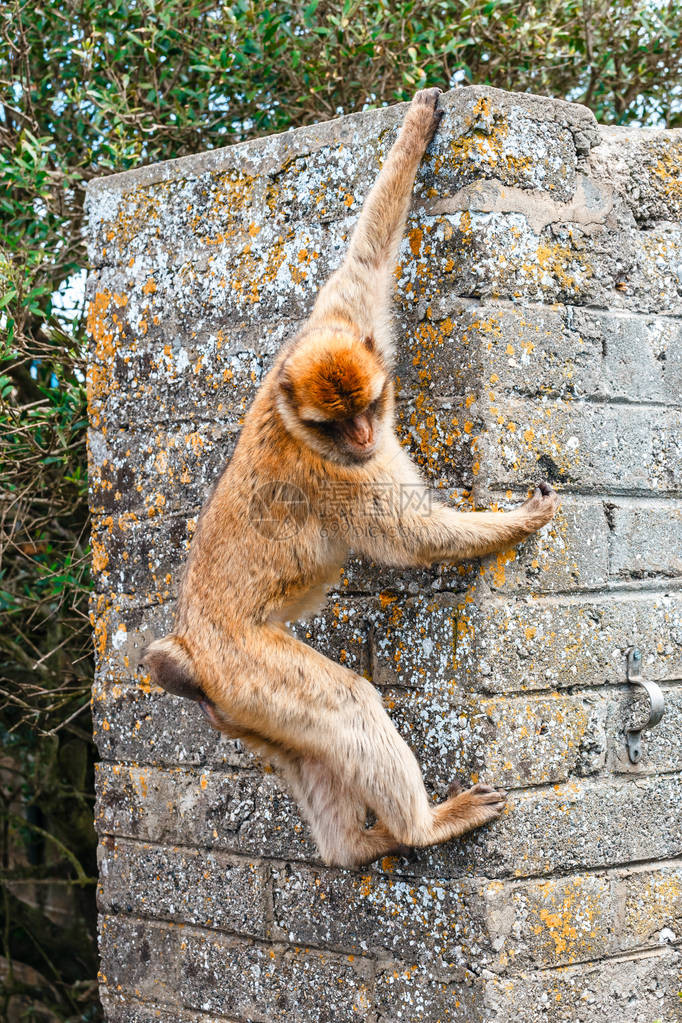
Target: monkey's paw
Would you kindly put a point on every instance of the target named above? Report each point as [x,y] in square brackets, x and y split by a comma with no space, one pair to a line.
[539,509]
[425,113]
[482,804]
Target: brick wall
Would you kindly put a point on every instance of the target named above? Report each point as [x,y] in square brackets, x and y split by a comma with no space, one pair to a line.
[539,304]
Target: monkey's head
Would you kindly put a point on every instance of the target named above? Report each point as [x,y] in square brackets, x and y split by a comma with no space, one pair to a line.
[334,395]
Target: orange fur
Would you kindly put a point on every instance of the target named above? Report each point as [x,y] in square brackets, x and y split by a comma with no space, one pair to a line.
[270,540]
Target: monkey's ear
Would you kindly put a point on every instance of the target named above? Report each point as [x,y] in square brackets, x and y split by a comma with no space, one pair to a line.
[369,342]
[285,382]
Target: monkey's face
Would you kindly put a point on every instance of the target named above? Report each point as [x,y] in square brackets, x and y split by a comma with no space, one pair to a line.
[334,395]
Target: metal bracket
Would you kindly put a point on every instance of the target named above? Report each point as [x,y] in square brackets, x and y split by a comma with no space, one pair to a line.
[656,703]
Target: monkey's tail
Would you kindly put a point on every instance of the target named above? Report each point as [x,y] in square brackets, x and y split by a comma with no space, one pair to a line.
[169,662]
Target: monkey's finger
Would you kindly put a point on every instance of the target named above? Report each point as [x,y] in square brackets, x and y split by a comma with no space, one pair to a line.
[427,97]
[424,108]
[486,794]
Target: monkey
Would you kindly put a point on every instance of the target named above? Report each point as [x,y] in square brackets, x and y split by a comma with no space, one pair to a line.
[269,543]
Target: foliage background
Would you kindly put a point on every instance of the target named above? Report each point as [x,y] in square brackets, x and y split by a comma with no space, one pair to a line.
[87,88]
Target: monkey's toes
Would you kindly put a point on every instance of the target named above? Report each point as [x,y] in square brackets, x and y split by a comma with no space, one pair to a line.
[545,488]
[485,794]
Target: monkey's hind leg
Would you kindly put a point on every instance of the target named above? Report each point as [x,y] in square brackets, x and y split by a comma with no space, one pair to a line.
[334,722]
[335,814]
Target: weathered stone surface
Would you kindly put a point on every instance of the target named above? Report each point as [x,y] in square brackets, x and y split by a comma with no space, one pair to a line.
[514,645]
[630,990]
[184,885]
[508,742]
[632,555]
[538,303]
[119,1009]
[212,972]
[244,811]
[438,922]
[642,355]
[522,140]
[588,446]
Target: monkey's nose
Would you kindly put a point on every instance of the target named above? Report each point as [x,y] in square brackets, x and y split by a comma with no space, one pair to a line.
[358,429]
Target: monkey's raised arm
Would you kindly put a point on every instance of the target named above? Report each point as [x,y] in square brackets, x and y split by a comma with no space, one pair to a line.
[359,292]
[421,536]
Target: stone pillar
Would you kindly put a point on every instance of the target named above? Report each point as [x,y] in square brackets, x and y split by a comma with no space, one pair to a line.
[538,304]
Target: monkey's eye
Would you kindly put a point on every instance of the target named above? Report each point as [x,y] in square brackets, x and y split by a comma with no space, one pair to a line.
[322,427]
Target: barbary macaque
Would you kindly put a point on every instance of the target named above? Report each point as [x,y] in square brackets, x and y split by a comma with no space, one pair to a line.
[269,542]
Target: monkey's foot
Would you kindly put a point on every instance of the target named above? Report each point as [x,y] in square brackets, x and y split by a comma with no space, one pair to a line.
[475,806]
[425,113]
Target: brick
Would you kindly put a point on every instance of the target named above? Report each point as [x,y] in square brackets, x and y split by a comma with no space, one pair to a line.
[567,920]
[513,742]
[501,255]
[242,812]
[645,167]
[436,922]
[570,553]
[170,470]
[123,624]
[642,355]
[630,990]
[520,645]
[413,641]
[442,438]
[531,350]
[136,554]
[552,829]
[510,743]
[169,369]
[141,724]
[485,348]
[129,1010]
[645,539]
[416,994]
[215,973]
[182,885]
[576,444]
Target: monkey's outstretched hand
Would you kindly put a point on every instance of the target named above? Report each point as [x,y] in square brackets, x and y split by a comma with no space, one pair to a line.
[541,507]
[424,114]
